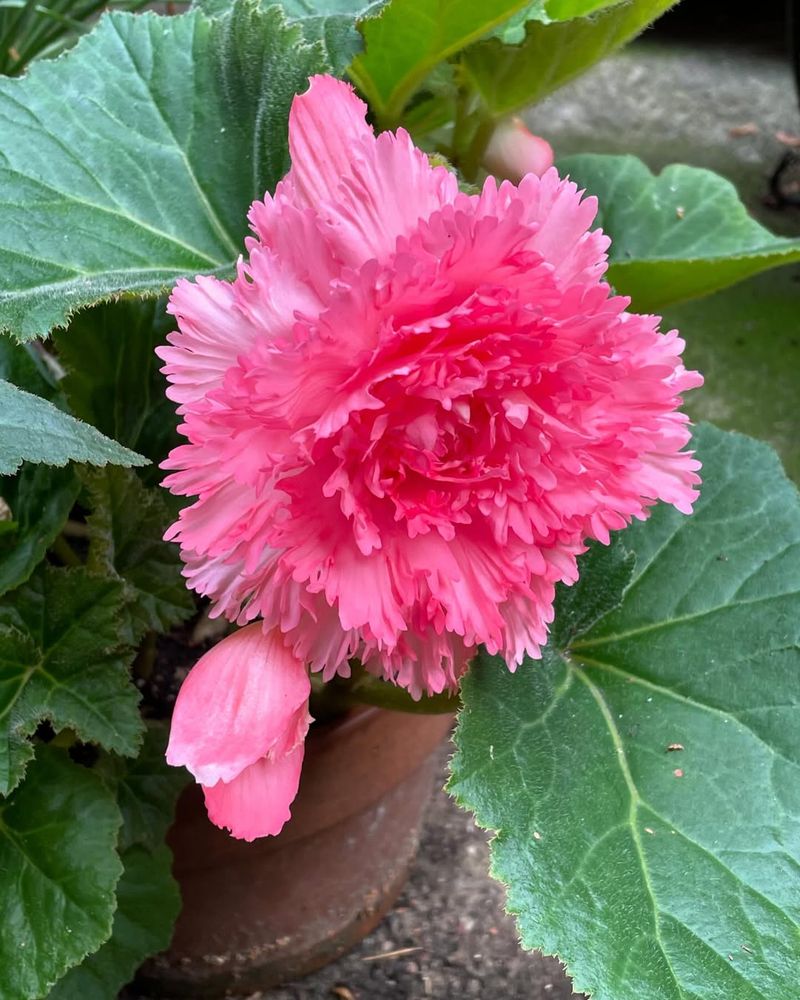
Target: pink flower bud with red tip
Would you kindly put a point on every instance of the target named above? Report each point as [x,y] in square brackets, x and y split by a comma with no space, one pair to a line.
[515,151]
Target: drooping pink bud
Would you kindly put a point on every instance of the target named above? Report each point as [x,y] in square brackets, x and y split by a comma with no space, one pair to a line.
[514,151]
[239,726]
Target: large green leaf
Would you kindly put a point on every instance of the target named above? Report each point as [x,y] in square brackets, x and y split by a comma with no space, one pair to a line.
[671,875]
[126,530]
[509,77]
[133,159]
[113,380]
[61,659]
[410,37]
[148,899]
[58,870]
[332,23]
[34,430]
[40,499]
[677,235]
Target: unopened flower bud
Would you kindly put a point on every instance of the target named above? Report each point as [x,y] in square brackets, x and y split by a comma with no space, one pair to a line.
[514,151]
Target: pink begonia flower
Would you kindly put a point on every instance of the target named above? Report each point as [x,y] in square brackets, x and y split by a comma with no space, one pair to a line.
[412,407]
[239,726]
[514,151]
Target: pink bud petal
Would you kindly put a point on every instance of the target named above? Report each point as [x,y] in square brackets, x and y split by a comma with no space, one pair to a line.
[257,802]
[243,698]
[514,151]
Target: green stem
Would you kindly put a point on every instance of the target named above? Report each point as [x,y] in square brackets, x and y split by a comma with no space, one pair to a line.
[371,691]
[61,548]
[75,529]
[146,657]
[361,688]
[471,161]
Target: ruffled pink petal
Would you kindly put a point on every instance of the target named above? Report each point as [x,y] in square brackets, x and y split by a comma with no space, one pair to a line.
[257,802]
[239,702]
[325,124]
[366,191]
[212,332]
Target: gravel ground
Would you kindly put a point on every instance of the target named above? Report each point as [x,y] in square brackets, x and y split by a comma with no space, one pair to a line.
[449,927]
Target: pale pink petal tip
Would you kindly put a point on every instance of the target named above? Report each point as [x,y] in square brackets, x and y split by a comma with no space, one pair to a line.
[257,802]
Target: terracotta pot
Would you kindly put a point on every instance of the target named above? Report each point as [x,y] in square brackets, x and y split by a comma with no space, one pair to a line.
[255,915]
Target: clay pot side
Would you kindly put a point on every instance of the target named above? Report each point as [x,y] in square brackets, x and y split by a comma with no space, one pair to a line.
[256,915]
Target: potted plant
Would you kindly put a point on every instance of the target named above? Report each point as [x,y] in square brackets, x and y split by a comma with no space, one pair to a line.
[412,412]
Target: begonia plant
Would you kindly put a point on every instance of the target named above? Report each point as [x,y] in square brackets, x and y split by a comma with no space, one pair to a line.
[322,385]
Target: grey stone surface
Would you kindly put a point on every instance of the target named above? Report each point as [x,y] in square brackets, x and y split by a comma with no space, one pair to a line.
[451,916]
[667,102]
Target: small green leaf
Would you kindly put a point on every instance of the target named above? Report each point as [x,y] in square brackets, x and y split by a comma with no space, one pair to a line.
[61,659]
[658,872]
[677,235]
[547,11]
[119,389]
[58,871]
[33,430]
[126,532]
[175,125]
[509,77]
[148,899]
[410,37]
[40,498]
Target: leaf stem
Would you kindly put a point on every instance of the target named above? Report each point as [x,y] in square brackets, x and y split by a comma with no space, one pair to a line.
[61,548]
[471,161]
[146,658]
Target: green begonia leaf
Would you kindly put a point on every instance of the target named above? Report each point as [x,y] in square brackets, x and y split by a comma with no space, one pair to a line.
[746,342]
[39,498]
[22,365]
[644,776]
[676,235]
[126,531]
[147,789]
[58,871]
[332,23]
[409,38]
[119,389]
[509,77]
[547,11]
[148,899]
[62,659]
[133,159]
[32,429]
